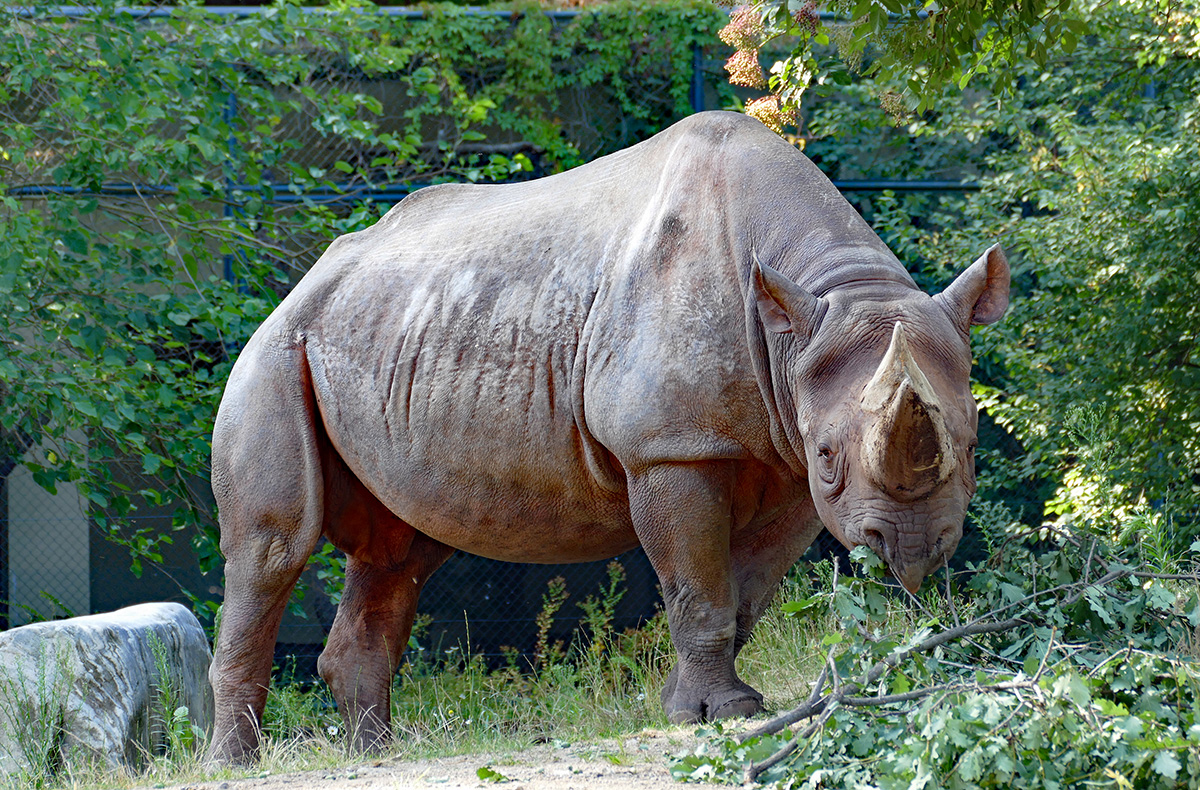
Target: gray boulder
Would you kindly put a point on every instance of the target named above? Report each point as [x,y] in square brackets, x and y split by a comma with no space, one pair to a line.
[105,689]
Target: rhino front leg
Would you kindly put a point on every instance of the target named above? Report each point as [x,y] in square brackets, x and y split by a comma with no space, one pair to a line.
[369,635]
[759,563]
[682,514]
[761,559]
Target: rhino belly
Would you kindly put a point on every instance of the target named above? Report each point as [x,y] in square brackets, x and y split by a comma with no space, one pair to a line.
[479,449]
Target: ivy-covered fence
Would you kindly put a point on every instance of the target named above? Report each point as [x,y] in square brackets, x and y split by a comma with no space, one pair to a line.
[167,174]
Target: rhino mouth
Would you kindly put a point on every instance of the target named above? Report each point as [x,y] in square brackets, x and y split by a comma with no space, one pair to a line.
[909,571]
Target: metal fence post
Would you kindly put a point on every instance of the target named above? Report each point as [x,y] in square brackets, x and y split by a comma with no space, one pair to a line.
[696,93]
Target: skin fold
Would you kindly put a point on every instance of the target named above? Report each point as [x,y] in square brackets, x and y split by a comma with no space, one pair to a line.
[695,345]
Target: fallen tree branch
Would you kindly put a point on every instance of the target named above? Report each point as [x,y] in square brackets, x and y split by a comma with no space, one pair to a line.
[817,703]
[840,698]
[821,703]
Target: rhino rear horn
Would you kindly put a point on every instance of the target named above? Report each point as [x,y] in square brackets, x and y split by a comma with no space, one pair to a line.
[980,294]
[784,306]
[908,451]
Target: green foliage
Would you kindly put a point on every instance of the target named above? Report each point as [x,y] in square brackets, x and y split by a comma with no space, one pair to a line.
[914,52]
[1086,689]
[165,181]
[1089,179]
[1092,185]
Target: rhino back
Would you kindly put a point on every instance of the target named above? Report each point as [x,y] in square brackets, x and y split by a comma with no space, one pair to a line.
[494,359]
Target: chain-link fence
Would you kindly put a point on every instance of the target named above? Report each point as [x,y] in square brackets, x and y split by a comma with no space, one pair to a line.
[55,557]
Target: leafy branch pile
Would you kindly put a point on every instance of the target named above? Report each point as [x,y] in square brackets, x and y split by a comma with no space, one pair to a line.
[1058,666]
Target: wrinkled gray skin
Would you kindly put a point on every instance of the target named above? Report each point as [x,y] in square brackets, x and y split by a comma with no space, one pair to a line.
[691,345]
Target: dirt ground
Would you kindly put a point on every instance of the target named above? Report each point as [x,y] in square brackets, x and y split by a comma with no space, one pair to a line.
[636,762]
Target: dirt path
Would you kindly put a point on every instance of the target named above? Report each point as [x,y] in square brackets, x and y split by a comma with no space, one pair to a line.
[636,762]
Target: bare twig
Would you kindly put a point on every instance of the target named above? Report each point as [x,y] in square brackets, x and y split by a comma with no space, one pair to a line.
[1049,647]
[950,592]
[1087,566]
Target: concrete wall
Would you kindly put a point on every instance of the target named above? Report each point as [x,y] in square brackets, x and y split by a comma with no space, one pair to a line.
[48,549]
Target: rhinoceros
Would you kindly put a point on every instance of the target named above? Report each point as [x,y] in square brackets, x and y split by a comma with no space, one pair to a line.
[695,345]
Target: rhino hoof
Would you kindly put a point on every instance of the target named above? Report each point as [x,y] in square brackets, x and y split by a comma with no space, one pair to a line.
[738,702]
[742,706]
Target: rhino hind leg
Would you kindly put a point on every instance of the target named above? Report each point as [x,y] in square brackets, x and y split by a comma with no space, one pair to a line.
[266,474]
[370,633]
[682,516]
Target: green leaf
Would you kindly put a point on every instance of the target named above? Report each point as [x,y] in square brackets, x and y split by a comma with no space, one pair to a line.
[489,774]
[1192,610]
[803,606]
[76,242]
[1166,765]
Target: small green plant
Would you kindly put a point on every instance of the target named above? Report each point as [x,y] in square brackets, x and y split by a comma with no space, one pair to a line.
[598,612]
[487,773]
[994,521]
[296,710]
[546,654]
[175,738]
[57,611]
[34,716]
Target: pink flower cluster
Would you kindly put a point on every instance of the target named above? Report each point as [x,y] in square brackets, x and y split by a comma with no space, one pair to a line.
[745,29]
[807,18]
[893,104]
[770,112]
[745,34]
[744,69]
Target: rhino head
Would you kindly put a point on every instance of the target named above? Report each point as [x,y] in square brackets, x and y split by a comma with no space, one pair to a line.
[877,379]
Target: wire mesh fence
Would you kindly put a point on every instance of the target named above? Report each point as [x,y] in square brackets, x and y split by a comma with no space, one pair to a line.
[57,553]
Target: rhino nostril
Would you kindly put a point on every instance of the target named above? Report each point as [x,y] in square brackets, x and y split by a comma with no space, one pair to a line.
[874,539]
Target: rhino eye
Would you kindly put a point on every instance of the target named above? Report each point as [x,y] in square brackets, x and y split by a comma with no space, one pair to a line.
[830,471]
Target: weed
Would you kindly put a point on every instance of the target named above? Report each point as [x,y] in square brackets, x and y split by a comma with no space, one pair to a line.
[598,612]
[173,736]
[994,521]
[545,654]
[34,717]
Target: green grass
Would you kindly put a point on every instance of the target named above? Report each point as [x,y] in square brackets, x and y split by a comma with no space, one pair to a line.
[604,684]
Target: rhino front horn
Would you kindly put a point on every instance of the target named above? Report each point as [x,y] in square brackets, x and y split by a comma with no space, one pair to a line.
[908,451]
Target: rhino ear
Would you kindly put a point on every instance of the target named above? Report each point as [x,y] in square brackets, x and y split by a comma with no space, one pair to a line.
[980,294]
[783,306]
